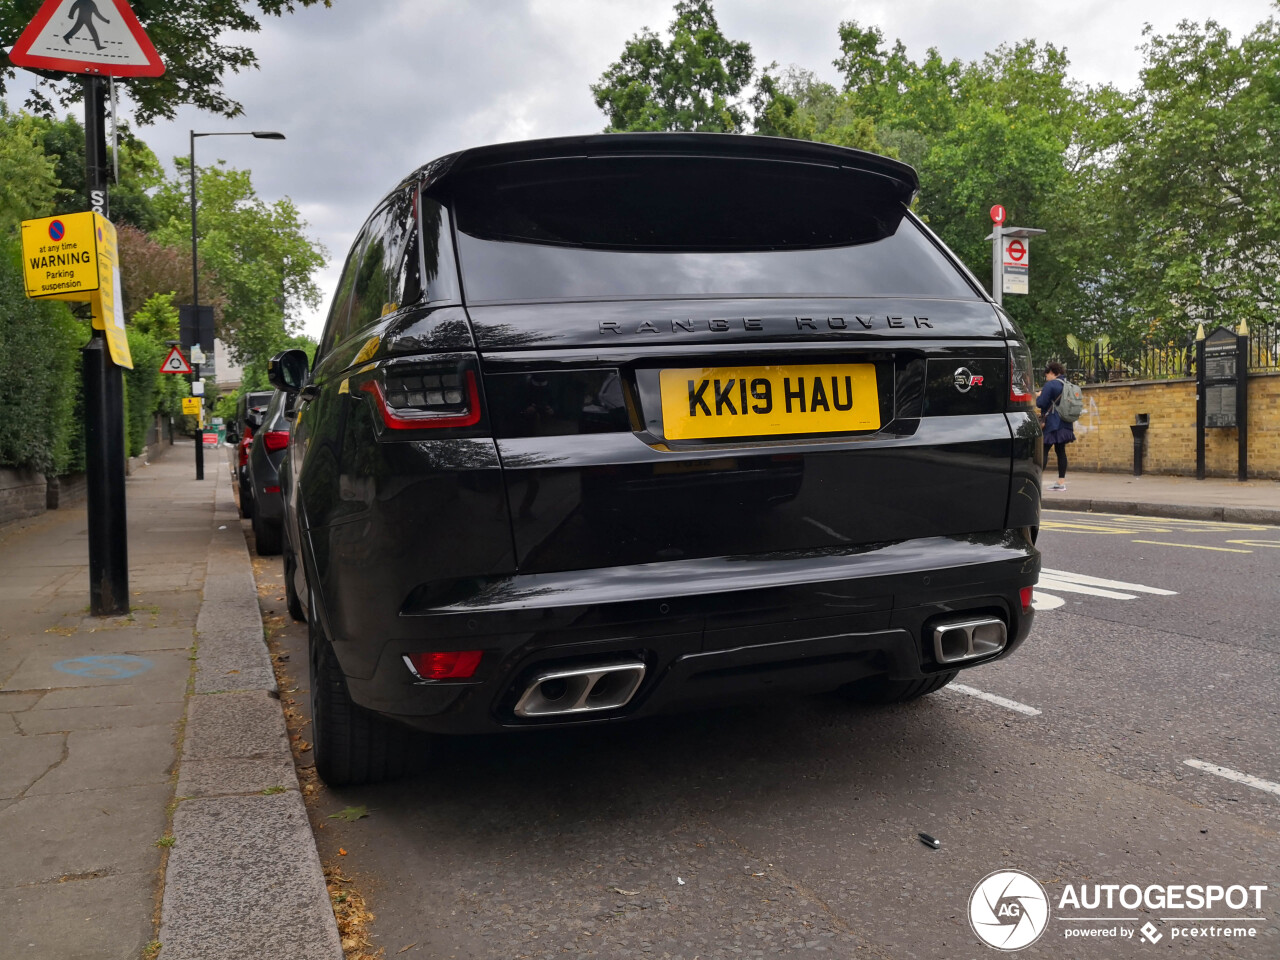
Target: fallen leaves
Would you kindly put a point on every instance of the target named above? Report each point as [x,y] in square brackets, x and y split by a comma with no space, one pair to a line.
[350,814]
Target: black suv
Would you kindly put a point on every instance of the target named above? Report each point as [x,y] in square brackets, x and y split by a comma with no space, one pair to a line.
[604,426]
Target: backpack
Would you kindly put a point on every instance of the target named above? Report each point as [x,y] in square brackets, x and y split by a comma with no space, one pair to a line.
[1070,404]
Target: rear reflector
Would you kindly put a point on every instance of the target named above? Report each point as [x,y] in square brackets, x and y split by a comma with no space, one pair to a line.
[1027,594]
[276,439]
[453,665]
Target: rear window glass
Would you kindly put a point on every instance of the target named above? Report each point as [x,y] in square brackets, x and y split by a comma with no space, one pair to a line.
[689,227]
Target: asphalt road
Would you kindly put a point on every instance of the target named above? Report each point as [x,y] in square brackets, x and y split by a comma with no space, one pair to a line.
[790,830]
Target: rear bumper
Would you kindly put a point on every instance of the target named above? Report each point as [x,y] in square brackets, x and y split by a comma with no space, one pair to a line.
[706,630]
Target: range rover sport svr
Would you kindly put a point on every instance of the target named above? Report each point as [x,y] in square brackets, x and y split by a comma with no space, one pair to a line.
[611,425]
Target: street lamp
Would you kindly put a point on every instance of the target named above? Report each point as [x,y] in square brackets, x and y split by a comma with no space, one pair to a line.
[195,266]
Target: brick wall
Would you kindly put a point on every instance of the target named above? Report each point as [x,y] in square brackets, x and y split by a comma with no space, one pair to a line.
[1104,441]
[22,494]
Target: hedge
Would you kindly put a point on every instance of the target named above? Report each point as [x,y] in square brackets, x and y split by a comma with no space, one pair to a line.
[39,375]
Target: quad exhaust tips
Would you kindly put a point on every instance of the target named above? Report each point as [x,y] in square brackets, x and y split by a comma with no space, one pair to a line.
[956,641]
[571,690]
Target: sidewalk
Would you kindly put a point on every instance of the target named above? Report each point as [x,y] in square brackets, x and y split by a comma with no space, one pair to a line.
[1254,501]
[119,733]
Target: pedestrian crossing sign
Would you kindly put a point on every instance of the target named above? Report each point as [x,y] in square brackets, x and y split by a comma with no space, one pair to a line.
[101,37]
[175,362]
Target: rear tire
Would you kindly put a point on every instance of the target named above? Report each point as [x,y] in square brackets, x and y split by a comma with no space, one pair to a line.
[350,745]
[266,536]
[885,690]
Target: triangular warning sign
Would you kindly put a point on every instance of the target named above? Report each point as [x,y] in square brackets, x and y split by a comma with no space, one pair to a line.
[100,37]
[175,362]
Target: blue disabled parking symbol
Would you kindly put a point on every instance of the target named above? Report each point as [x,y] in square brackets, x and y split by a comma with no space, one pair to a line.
[109,667]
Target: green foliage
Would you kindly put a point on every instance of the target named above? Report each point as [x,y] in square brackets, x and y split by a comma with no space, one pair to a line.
[140,171]
[692,83]
[1194,183]
[29,183]
[158,318]
[259,253]
[187,36]
[142,387]
[39,375]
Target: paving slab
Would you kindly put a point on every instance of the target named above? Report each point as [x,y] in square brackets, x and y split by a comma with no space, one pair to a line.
[72,918]
[72,833]
[111,758]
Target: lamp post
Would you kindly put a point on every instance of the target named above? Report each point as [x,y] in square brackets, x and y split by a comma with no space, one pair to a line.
[195,269]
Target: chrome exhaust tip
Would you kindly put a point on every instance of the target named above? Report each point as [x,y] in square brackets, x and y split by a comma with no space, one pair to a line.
[956,641]
[570,690]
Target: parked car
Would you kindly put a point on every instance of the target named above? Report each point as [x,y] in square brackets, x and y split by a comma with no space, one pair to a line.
[250,409]
[604,426]
[253,400]
[265,453]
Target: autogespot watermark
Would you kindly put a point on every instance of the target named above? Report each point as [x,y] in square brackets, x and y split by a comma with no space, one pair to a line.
[1010,910]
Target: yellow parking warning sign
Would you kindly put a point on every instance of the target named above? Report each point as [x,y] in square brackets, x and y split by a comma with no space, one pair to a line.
[191,406]
[60,256]
[74,257]
[108,304]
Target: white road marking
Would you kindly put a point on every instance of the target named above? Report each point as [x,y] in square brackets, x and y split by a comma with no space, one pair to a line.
[1228,774]
[1100,582]
[1063,581]
[1066,586]
[1013,705]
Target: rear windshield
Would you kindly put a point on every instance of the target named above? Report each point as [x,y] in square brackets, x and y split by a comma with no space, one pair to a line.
[690,227]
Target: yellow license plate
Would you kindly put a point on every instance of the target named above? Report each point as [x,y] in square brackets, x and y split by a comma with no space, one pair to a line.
[706,402]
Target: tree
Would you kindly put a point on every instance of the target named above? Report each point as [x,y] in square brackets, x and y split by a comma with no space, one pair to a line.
[30,183]
[1198,215]
[800,106]
[692,83]
[186,35]
[259,252]
[140,171]
[149,267]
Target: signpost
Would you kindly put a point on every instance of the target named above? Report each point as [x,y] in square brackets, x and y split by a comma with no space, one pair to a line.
[108,42]
[1010,256]
[96,39]
[175,362]
[1222,392]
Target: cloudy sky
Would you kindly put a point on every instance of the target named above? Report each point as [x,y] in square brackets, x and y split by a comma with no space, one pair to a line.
[370,89]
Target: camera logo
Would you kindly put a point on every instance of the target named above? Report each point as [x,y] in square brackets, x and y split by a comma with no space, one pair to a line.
[1008,910]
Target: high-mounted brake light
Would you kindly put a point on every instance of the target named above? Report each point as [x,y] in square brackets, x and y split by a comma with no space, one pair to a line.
[450,665]
[427,400]
[276,439]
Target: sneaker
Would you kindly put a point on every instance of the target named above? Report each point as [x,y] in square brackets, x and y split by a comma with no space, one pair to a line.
[1060,485]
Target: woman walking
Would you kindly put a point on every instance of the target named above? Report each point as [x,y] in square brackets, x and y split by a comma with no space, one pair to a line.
[1057,432]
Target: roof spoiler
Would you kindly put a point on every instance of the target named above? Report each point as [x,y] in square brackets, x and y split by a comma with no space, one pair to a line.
[901,178]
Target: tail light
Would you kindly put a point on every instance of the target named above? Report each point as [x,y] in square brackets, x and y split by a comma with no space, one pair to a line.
[244,446]
[1021,389]
[275,439]
[426,397]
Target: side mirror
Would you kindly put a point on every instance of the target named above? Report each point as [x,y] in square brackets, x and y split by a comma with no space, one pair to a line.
[287,371]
